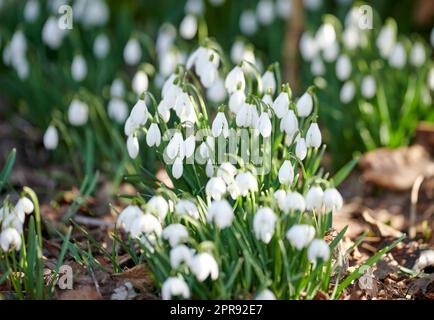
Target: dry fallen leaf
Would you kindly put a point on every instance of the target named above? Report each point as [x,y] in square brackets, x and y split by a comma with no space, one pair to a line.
[82,293]
[379,227]
[138,276]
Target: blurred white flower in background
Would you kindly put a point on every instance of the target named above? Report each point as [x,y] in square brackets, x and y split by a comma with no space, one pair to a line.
[31,10]
[265,12]
[14,54]
[179,255]
[10,239]
[117,110]
[78,68]
[194,7]
[417,55]
[220,212]
[332,199]
[203,265]
[286,173]
[101,46]
[217,93]
[284,8]
[188,27]
[132,52]
[308,46]
[343,67]
[264,223]
[52,35]
[248,23]
[300,235]
[175,287]
[133,146]
[398,56]
[175,233]
[140,82]
[265,295]
[318,249]
[51,138]
[386,40]
[312,4]
[78,113]
[347,92]
[369,87]
[91,13]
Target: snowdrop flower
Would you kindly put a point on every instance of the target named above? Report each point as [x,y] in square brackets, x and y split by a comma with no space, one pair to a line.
[184,108]
[153,137]
[203,265]
[314,198]
[325,36]
[248,23]
[294,201]
[129,127]
[269,82]
[347,92]
[369,87]
[51,138]
[177,168]
[206,149]
[78,68]
[386,40]
[305,105]
[308,46]
[117,88]
[246,183]
[188,27]
[312,5]
[117,110]
[332,199]
[194,7]
[265,12]
[31,10]
[25,205]
[431,79]
[264,224]
[128,216]
[209,169]
[173,287]
[301,149]
[133,146]
[139,113]
[247,116]
[300,235]
[417,55]
[236,100]
[284,8]
[233,190]
[289,124]
[190,145]
[140,82]
[52,35]
[146,224]
[318,249]
[176,147]
[217,93]
[179,255]
[280,196]
[286,173]
[313,136]
[317,67]
[237,51]
[10,239]
[78,113]
[215,188]
[351,37]
[264,125]
[268,100]
[187,207]
[235,80]
[220,211]
[132,52]
[175,233]
[343,67]
[281,105]
[159,206]
[14,220]
[265,295]
[220,125]
[101,46]
[398,56]
[227,172]
[331,52]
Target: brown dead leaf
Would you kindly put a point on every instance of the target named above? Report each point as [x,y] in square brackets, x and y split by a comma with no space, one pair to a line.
[82,293]
[379,227]
[422,288]
[138,276]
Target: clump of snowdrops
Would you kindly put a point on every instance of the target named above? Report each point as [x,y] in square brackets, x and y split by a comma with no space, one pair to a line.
[376,84]
[250,207]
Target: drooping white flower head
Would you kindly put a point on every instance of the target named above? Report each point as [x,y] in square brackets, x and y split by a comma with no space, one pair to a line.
[203,265]
[369,87]
[305,105]
[175,233]
[289,124]
[176,147]
[286,173]
[236,100]
[175,287]
[51,138]
[332,199]
[117,109]
[188,27]
[318,249]
[220,125]
[266,294]
[209,169]
[128,216]
[281,105]
[177,168]
[248,23]
[325,36]
[179,255]
[227,172]
[217,93]
[10,239]
[264,223]
[133,147]
[185,109]
[188,208]
[139,114]
[300,235]
[331,52]
[269,82]
[153,137]
[246,183]
[264,125]
[235,80]
[308,46]
[343,67]
[386,40]
[221,213]
[140,82]
[132,52]
[247,116]
[280,196]
[347,92]
[294,201]
[159,206]
[417,55]
[215,188]
[398,57]
[52,35]
[31,10]
[101,46]
[317,67]
[265,12]
[314,198]
[313,136]
[25,205]
[78,113]
[78,68]
[146,224]
[301,149]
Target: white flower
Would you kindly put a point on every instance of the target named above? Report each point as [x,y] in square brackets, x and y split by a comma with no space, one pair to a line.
[146,224]
[286,173]
[236,100]
[343,67]
[289,124]
[209,169]
[25,204]
[247,116]
[217,93]
[132,52]
[398,56]
[233,190]
[190,145]
[117,109]
[31,10]
[268,100]
[177,168]
[176,147]
[194,7]
[52,35]
[179,255]
[220,125]
[300,235]
[133,146]
[265,12]
[140,82]
[284,8]
[314,198]
[206,148]
[78,113]
[332,199]
[325,36]
[264,223]
[347,92]
[304,105]
[351,37]
[268,82]
[431,79]
[175,233]
[175,286]
[128,216]
[264,125]
[139,113]
[117,88]
[248,23]
[220,211]
[78,68]
[301,149]
[237,51]
[187,207]
[281,104]
[10,239]
[153,136]
[184,108]
[158,205]
[15,221]
[313,136]
[317,67]
[318,249]
[246,183]
[280,196]
[204,265]
[308,46]
[188,27]
[417,55]
[386,40]
[331,53]
[51,138]
[101,46]
[227,172]
[265,295]
[235,80]
[215,188]
[294,201]
[369,87]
